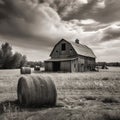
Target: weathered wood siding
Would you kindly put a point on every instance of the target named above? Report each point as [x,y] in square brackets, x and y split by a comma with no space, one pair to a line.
[74,65]
[81,64]
[59,53]
[85,64]
[65,66]
[48,66]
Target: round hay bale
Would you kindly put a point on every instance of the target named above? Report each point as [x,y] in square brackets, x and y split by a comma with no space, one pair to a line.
[37,68]
[25,70]
[36,90]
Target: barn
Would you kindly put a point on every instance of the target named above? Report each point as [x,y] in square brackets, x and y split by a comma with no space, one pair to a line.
[69,56]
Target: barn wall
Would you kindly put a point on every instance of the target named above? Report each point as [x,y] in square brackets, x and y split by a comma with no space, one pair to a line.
[81,59]
[74,65]
[48,66]
[90,64]
[65,66]
[81,67]
[58,53]
[81,63]
[86,64]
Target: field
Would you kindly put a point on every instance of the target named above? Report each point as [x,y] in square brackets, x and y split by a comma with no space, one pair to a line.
[81,96]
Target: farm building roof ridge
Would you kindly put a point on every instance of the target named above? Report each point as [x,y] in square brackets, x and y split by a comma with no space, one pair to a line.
[79,48]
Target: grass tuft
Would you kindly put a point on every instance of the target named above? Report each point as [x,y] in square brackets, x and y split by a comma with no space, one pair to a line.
[9,106]
[111,116]
[105,78]
[90,97]
[110,100]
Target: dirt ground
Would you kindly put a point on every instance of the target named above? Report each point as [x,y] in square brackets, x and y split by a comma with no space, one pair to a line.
[80,96]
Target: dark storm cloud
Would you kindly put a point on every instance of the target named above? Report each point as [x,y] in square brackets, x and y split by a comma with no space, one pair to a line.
[37,25]
[76,9]
[82,11]
[110,13]
[3,10]
[101,10]
[72,9]
[30,20]
[111,33]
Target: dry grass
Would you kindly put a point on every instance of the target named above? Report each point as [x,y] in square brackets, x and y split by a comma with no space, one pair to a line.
[81,96]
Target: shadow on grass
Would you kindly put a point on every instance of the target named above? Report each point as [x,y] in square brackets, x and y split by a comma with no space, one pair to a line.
[14,106]
[90,97]
[110,100]
[9,106]
[112,116]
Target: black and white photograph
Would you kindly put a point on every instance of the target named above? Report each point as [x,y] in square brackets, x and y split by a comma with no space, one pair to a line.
[59,59]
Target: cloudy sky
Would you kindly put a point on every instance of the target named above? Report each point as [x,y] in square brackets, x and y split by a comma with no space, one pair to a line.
[33,27]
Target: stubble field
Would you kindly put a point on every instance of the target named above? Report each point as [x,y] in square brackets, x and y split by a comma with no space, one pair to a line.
[80,96]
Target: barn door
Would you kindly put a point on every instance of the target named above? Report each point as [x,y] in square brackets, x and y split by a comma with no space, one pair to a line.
[56,66]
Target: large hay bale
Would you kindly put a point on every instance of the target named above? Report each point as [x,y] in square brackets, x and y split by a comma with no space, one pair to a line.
[25,70]
[36,90]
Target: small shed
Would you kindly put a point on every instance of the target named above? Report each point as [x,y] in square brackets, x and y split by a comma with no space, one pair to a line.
[70,57]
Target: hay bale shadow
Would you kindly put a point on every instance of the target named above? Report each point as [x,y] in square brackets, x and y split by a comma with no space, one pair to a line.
[9,106]
[15,106]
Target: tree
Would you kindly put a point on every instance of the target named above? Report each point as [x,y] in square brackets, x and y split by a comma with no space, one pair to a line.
[23,61]
[6,55]
[0,58]
[8,60]
[16,60]
[35,63]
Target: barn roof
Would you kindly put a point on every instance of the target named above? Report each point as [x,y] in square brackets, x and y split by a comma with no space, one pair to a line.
[79,49]
[82,50]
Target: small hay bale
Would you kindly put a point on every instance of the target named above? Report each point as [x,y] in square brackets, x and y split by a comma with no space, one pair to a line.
[37,68]
[36,91]
[25,70]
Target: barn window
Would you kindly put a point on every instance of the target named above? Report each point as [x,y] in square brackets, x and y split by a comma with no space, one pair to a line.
[70,51]
[56,51]
[63,46]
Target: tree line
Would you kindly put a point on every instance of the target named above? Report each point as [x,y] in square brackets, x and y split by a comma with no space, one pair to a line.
[10,60]
[112,64]
[35,63]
